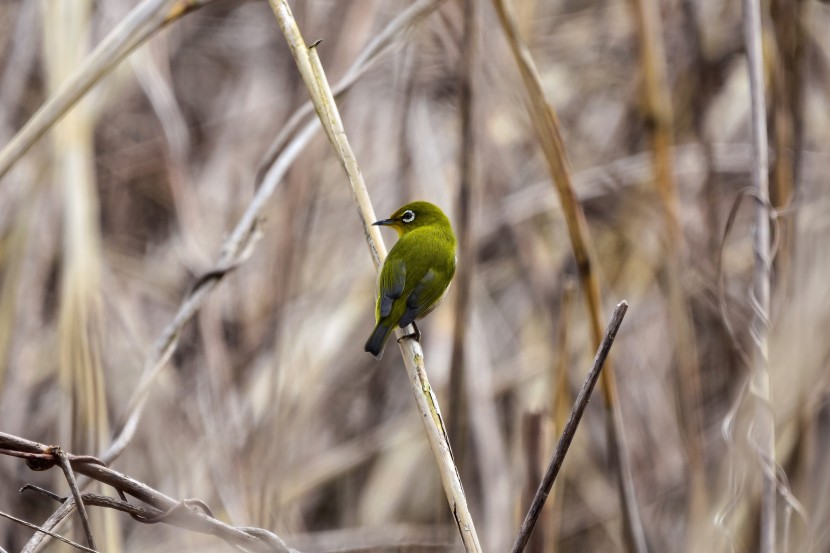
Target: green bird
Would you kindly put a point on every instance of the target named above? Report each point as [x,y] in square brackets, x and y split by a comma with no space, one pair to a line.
[416,273]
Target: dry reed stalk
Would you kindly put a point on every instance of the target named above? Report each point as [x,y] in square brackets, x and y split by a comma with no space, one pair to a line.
[142,22]
[759,385]
[311,70]
[547,130]
[463,227]
[787,73]
[660,127]
[80,319]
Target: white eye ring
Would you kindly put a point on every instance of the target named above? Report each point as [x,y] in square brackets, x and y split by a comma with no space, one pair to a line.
[408,216]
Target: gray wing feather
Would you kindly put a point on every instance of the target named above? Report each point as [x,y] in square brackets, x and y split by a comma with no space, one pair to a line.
[394,290]
[419,299]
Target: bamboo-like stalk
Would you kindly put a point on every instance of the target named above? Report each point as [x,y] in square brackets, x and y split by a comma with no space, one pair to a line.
[660,127]
[310,68]
[546,126]
[80,320]
[142,22]
[759,386]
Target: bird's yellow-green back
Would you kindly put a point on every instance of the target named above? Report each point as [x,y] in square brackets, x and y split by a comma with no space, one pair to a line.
[417,271]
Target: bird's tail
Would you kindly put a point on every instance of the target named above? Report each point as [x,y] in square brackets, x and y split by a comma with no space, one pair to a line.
[377,341]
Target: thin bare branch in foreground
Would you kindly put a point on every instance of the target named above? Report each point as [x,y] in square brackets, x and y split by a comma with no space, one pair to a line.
[39,529]
[66,467]
[169,511]
[570,429]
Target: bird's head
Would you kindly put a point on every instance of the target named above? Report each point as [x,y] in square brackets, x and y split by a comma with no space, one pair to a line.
[416,215]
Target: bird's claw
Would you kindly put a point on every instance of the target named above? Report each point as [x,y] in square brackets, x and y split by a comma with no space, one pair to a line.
[416,335]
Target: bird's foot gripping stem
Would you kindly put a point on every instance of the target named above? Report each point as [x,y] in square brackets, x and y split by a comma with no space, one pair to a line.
[416,335]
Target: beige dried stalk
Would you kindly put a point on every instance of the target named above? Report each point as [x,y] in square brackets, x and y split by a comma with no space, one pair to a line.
[321,95]
[759,385]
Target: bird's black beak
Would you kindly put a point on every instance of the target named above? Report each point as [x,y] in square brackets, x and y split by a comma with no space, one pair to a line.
[385,222]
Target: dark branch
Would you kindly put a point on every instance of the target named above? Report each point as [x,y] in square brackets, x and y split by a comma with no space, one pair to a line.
[570,429]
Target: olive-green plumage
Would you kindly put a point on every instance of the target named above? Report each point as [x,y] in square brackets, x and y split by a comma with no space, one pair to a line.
[417,271]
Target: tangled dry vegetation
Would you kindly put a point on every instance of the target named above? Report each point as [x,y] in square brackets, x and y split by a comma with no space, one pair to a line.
[265,407]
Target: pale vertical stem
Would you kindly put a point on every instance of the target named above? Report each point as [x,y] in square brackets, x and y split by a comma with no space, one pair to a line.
[311,71]
[764,423]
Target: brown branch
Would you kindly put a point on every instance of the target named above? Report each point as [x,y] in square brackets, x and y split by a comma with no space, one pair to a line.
[164,508]
[570,429]
[66,467]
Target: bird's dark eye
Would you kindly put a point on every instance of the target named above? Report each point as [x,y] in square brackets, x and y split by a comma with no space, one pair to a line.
[408,216]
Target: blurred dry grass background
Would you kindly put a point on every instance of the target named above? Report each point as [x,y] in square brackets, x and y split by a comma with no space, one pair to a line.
[271,412]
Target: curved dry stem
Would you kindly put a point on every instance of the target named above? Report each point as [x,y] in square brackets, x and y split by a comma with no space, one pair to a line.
[172,511]
[314,78]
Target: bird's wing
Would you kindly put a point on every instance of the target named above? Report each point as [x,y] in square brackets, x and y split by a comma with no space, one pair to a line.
[423,296]
[391,284]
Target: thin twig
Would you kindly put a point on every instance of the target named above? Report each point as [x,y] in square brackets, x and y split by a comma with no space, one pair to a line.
[570,429]
[47,532]
[760,380]
[66,467]
[166,509]
[311,70]
[40,538]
